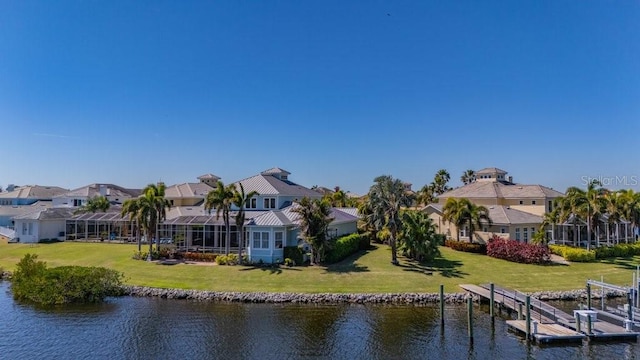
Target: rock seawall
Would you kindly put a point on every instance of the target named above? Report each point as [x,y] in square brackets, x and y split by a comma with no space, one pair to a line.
[331,298]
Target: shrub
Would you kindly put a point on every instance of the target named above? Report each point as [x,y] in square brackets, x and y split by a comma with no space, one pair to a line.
[33,281]
[440,239]
[570,253]
[620,250]
[48,241]
[294,253]
[466,247]
[198,256]
[365,241]
[343,247]
[515,251]
[289,262]
[221,260]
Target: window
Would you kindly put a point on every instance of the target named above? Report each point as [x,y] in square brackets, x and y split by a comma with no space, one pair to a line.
[533,202]
[77,202]
[252,203]
[269,203]
[24,228]
[517,234]
[525,235]
[521,202]
[463,232]
[30,228]
[550,206]
[503,230]
[261,240]
[283,177]
[533,231]
[279,237]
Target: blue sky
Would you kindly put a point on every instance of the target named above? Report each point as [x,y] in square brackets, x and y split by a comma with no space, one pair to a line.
[335,92]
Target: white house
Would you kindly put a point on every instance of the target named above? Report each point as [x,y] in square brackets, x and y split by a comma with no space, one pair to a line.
[42,224]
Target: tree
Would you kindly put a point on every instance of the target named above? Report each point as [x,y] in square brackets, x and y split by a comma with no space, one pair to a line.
[387,196]
[418,238]
[440,181]
[131,209]
[240,199]
[94,205]
[314,222]
[462,212]
[339,198]
[468,177]
[152,210]
[221,199]
[425,195]
[629,204]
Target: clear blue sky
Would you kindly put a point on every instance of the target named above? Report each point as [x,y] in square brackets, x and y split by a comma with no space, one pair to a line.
[336,92]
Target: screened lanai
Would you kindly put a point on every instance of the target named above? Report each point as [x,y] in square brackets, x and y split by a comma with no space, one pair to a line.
[204,233]
[100,226]
[607,232]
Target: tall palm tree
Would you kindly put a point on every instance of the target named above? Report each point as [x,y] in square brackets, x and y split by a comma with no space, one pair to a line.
[339,198]
[468,177]
[94,205]
[388,196]
[568,207]
[130,208]
[240,199]
[152,209]
[314,222]
[439,184]
[425,195]
[221,199]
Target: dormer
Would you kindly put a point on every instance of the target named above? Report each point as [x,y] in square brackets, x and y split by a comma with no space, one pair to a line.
[491,174]
[209,179]
[277,173]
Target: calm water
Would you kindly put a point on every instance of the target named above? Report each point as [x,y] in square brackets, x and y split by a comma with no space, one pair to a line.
[150,328]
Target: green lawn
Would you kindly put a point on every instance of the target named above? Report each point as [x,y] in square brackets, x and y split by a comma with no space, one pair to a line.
[369,271]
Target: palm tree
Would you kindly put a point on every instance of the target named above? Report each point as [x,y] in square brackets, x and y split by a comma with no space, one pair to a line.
[240,199]
[629,203]
[452,212]
[339,198]
[425,195]
[94,205]
[314,221]
[463,212]
[548,219]
[153,210]
[468,177]
[131,209]
[388,196]
[439,184]
[221,199]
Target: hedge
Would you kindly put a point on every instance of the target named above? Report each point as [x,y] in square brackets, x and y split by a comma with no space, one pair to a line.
[574,254]
[343,247]
[466,246]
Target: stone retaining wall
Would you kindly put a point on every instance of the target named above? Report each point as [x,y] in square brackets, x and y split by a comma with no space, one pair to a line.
[328,298]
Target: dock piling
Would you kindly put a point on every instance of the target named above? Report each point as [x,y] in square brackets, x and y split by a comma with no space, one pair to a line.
[491,299]
[577,316]
[588,324]
[528,316]
[470,318]
[442,305]
[588,296]
[520,313]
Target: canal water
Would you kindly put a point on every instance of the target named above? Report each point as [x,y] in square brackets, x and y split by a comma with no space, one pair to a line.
[153,328]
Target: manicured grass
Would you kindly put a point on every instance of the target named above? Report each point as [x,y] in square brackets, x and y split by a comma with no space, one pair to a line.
[369,271]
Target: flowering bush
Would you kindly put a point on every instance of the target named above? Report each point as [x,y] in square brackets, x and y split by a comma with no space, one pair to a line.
[515,251]
[574,254]
[198,256]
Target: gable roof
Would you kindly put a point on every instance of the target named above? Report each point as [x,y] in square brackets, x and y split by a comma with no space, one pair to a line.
[17,210]
[288,216]
[33,192]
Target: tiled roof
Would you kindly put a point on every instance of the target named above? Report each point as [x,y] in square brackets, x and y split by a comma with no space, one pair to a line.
[288,216]
[491,189]
[33,192]
[270,185]
[187,190]
[93,190]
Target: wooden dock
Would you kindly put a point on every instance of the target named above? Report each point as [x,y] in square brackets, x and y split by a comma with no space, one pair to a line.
[553,324]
